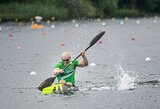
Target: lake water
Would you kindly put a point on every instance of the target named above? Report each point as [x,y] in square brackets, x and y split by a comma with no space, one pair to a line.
[123,71]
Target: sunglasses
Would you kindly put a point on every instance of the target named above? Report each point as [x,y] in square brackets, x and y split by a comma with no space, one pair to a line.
[65,60]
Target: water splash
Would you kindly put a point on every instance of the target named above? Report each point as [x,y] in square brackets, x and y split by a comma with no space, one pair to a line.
[125,81]
[95,88]
[101,88]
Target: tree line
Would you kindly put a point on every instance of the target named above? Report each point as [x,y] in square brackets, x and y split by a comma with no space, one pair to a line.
[66,9]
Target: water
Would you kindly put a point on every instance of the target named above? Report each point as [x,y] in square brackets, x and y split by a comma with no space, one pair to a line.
[126,81]
[120,78]
[95,88]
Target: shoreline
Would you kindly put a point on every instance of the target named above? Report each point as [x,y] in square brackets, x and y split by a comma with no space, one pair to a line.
[48,21]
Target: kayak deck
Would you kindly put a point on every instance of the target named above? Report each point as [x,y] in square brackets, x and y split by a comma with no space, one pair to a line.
[59,89]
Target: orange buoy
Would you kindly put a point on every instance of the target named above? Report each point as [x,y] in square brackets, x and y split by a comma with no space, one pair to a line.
[36,26]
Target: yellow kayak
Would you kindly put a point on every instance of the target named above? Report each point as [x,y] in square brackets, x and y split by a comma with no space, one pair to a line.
[59,89]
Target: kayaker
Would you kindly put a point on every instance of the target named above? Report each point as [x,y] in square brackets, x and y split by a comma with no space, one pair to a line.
[67,77]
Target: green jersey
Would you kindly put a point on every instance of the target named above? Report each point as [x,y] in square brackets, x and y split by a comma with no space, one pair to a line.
[69,74]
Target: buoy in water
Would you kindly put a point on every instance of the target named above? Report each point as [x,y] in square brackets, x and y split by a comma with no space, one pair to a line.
[147,59]
[132,38]
[53,26]
[43,33]
[37,26]
[92,64]
[18,47]
[154,21]
[33,73]
[122,22]
[100,42]
[76,25]
[10,34]
[137,22]
[62,44]
[103,23]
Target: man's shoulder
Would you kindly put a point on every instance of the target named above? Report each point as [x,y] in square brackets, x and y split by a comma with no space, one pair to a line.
[60,61]
[58,64]
[76,62]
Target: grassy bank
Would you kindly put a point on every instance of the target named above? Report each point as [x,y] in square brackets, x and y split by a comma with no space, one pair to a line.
[14,11]
[65,11]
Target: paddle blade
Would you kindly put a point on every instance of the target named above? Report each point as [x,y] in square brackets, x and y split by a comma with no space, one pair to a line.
[96,38]
[48,82]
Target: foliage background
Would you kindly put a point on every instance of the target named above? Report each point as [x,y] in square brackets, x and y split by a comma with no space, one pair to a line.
[69,9]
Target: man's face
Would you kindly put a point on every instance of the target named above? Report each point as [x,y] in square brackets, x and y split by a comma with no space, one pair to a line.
[66,60]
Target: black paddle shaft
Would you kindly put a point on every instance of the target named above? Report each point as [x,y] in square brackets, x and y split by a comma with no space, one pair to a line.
[93,41]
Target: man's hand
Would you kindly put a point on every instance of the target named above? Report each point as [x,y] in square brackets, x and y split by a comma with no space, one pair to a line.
[83,52]
[57,71]
[84,61]
[61,71]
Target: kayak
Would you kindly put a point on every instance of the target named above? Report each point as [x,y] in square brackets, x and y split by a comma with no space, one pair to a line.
[47,88]
[59,89]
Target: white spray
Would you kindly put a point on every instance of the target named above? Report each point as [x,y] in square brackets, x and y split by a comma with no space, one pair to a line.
[125,81]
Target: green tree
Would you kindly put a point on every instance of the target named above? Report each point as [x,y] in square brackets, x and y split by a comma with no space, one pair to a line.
[127,4]
[105,7]
[148,5]
[77,8]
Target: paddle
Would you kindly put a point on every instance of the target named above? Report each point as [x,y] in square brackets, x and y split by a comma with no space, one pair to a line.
[93,41]
[48,82]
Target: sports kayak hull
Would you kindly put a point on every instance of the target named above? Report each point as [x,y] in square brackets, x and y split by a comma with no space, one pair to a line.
[59,89]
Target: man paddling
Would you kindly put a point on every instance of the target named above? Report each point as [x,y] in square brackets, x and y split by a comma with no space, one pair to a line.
[67,76]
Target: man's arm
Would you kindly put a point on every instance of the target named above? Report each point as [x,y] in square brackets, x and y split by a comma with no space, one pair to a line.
[56,71]
[84,61]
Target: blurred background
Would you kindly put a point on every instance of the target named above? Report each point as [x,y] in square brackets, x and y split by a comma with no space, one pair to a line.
[26,10]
